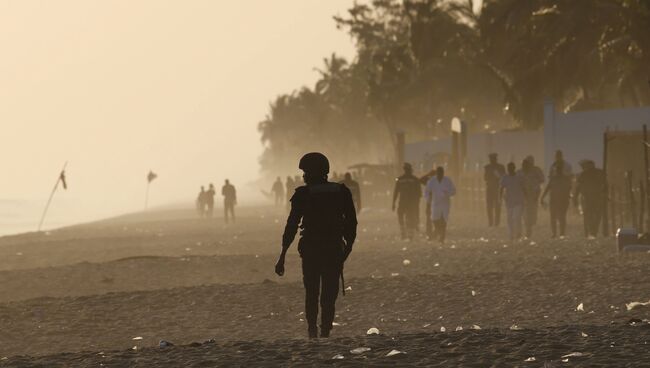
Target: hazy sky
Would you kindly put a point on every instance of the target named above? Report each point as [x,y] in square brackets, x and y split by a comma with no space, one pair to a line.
[121,87]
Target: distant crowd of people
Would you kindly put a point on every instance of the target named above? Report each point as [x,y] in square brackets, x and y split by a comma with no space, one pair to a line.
[282,192]
[205,201]
[519,189]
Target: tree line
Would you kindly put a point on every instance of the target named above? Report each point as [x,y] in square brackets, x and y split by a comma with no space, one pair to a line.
[419,63]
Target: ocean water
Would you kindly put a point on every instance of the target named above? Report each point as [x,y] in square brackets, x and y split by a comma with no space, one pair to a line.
[20,216]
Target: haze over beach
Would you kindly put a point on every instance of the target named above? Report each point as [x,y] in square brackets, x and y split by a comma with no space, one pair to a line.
[121,88]
[307,183]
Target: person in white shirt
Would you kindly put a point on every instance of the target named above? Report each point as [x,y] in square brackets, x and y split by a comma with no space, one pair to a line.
[438,193]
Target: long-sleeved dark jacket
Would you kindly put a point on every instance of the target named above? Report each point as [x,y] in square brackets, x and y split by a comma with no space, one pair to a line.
[325,214]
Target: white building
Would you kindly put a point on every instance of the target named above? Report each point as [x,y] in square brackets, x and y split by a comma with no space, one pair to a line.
[578,134]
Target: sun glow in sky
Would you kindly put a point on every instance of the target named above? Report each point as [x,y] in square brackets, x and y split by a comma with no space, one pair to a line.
[120,87]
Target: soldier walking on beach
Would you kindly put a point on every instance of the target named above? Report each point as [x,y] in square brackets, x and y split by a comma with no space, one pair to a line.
[559,187]
[354,189]
[209,199]
[229,194]
[533,178]
[492,176]
[325,213]
[590,193]
[439,191]
[408,191]
[278,191]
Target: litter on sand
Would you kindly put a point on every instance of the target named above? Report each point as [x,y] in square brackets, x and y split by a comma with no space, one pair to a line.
[576,354]
[338,357]
[580,308]
[634,305]
[373,331]
[360,350]
[406,262]
[531,359]
[137,338]
[164,344]
[394,352]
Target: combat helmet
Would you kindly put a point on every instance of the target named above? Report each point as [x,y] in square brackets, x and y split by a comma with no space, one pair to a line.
[314,163]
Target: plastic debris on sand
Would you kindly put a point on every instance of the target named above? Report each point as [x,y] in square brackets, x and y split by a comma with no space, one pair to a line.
[373,331]
[394,352]
[634,305]
[360,350]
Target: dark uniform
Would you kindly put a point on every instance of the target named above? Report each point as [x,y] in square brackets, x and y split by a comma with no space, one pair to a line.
[409,192]
[590,188]
[492,176]
[325,213]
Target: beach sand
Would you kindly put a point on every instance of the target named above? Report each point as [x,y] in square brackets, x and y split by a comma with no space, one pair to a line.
[106,293]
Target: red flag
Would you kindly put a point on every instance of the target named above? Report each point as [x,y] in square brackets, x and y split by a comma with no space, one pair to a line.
[62,178]
[151,176]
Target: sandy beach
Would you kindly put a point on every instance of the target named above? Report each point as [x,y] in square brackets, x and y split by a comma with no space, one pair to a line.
[106,293]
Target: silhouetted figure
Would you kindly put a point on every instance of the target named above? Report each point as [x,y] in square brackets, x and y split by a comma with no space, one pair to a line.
[492,176]
[408,191]
[325,213]
[229,194]
[209,200]
[560,162]
[513,191]
[200,203]
[354,189]
[533,178]
[439,191]
[427,211]
[590,190]
[559,187]
[278,191]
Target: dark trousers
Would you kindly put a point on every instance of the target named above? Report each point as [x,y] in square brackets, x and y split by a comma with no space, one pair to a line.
[558,210]
[592,212]
[228,209]
[429,223]
[320,275]
[407,216]
[493,206]
[441,229]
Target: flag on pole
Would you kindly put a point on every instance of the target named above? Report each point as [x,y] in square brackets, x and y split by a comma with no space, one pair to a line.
[62,178]
[151,176]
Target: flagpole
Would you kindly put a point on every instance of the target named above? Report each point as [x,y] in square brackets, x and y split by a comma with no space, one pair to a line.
[146,197]
[47,205]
